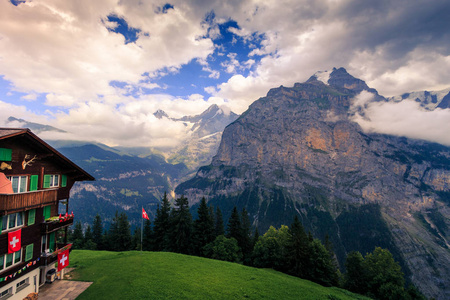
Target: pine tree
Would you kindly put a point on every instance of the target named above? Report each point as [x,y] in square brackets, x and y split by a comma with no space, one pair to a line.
[161,227]
[147,239]
[124,233]
[203,232]
[218,223]
[234,226]
[245,242]
[136,240]
[113,234]
[88,242]
[97,229]
[298,250]
[181,229]
[77,236]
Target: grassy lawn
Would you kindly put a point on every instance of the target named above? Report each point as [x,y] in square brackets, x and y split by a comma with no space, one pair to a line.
[161,275]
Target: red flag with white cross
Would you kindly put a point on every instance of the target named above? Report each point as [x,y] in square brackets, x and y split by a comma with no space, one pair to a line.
[144,214]
[14,241]
[63,259]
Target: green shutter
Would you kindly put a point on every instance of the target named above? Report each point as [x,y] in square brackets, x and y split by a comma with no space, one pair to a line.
[5,154]
[31,217]
[47,212]
[29,252]
[63,180]
[47,179]
[1,224]
[34,182]
[51,241]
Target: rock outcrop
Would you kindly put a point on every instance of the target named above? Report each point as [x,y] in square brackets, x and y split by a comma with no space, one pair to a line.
[297,152]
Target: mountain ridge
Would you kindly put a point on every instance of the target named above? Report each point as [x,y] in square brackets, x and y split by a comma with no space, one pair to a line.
[284,156]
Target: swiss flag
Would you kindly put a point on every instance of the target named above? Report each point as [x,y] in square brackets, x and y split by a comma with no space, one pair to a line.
[63,259]
[144,214]
[14,241]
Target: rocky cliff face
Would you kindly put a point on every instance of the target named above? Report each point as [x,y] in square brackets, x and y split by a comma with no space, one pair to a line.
[297,152]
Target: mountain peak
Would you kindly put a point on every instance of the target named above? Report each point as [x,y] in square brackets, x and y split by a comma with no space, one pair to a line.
[159,114]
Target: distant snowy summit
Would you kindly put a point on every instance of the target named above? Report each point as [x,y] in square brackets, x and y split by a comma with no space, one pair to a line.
[427,100]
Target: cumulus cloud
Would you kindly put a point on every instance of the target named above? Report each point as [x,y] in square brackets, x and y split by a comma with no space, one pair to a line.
[68,53]
[405,118]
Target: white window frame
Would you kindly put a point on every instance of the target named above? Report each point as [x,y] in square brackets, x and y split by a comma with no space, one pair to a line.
[54,180]
[7,218]
[20,185]
[15,256]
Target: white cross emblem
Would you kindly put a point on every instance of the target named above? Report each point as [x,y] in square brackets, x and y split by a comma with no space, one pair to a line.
[63,259]
[14,241]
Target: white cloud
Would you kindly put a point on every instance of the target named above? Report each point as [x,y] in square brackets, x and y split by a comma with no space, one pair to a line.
[404,118]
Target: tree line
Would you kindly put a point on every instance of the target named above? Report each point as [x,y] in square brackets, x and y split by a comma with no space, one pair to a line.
[288,249]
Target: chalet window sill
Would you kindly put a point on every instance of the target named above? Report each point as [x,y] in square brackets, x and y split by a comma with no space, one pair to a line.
[22,287]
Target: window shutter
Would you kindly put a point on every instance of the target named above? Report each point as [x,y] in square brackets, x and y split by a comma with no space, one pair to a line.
[47,179]
[47,212]
[34,182]
[63,180]
[1,224]
[51,241]
[29,252]
[5,154]
[31,217]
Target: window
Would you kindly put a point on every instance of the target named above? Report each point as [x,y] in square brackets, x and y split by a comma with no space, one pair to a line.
[23,284]
[44,243]
[51,181]
[12,221]
[6,293]
[8,260]
[19,183]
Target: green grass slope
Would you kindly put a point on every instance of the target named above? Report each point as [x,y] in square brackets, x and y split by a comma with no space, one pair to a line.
[161,275]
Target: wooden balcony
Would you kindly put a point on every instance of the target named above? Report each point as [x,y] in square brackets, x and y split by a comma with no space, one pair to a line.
[52,226]
[10,203]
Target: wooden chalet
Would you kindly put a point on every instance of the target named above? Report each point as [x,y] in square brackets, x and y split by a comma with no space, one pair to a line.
[35,180]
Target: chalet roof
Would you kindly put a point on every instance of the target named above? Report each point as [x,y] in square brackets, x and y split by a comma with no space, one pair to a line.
[31,138]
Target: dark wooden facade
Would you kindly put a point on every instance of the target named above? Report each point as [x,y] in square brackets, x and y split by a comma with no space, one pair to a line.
[30,156]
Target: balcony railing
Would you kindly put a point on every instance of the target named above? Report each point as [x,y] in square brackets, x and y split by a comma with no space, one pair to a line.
[55,225]
[10,203]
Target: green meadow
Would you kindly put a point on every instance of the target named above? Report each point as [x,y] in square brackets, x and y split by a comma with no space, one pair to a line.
[163,275]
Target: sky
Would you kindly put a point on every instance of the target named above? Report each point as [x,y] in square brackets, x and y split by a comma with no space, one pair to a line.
[100,69]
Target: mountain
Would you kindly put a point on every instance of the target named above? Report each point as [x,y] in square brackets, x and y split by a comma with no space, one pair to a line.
[205,132]
[36,127]
[296,152]
[428,100]
[123,183]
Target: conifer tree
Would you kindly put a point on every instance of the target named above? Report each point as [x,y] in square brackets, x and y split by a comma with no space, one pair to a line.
[298,250]
[97,229]
[181,229]
[88,242]
[245,242]
[77,236]
[234,226]
[124,233]
[218,223]
[136,240]
[203,231]
[161,227]
[147,239]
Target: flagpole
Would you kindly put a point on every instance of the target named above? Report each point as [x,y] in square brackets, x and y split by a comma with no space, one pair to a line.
[142,227]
